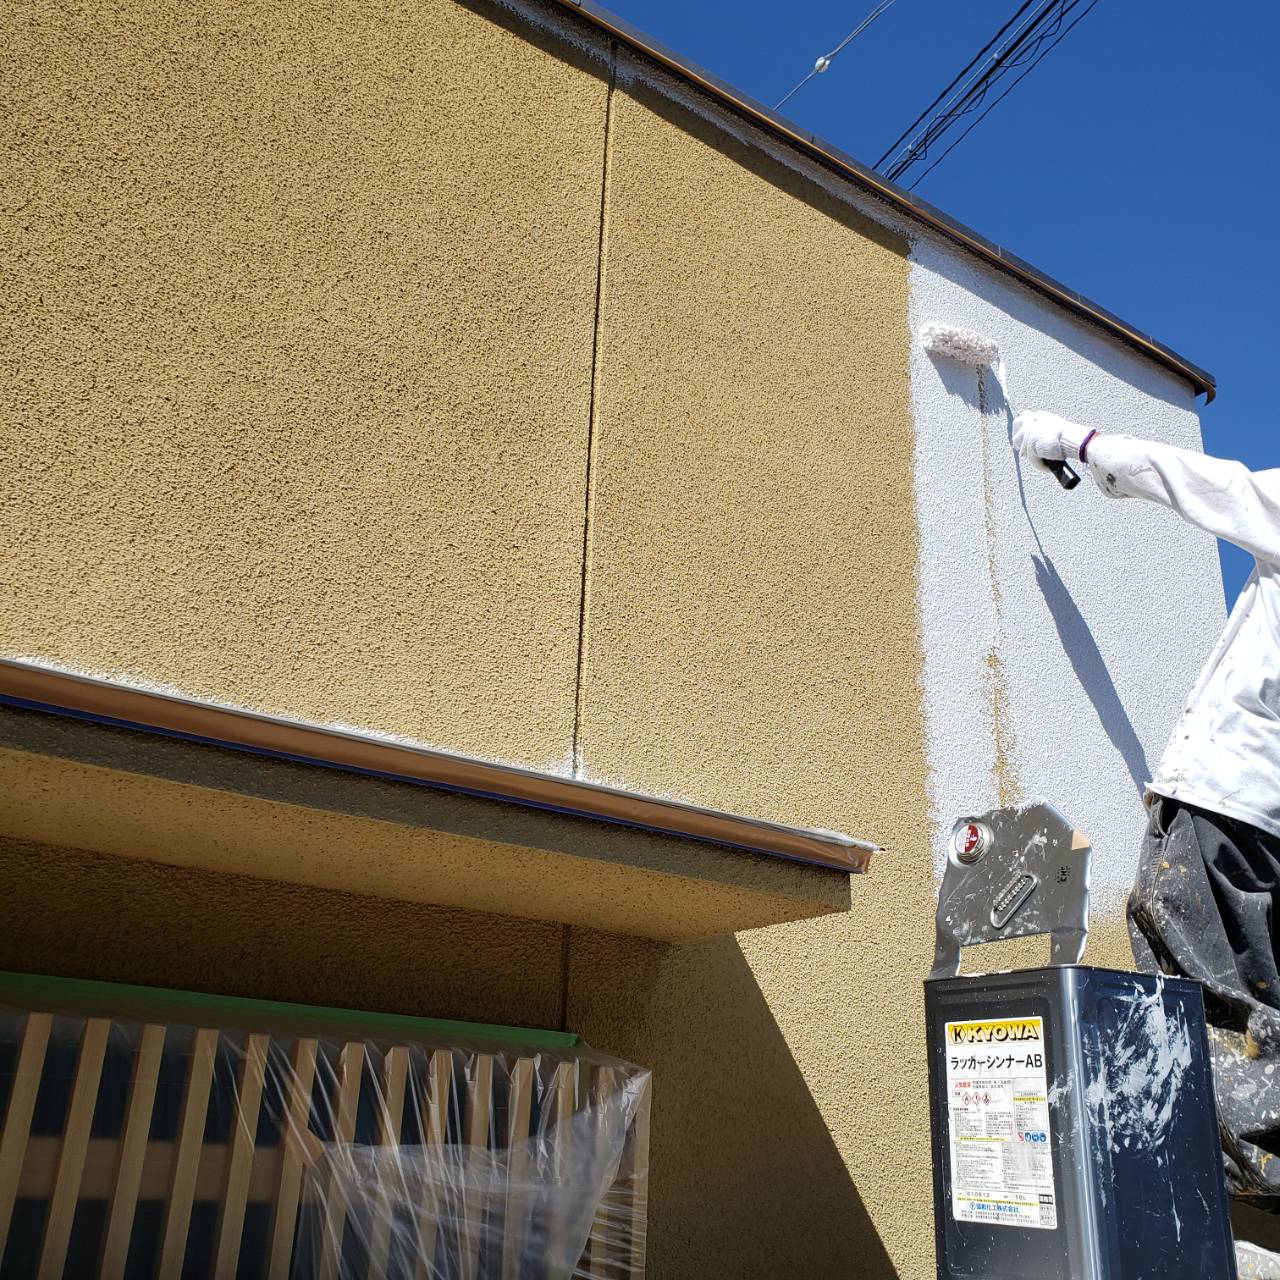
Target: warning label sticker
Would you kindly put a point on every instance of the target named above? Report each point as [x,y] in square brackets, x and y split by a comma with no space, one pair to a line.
[1001,1147]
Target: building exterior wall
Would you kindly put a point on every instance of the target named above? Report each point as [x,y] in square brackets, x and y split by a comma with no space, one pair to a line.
[1054,662]
[304,303]
[83,914]
[447,372]
[751,640]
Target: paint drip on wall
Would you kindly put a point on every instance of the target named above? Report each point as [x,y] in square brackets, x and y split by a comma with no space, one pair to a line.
[1008,785]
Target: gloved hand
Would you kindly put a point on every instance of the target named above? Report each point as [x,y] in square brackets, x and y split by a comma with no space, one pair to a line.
[1040,437]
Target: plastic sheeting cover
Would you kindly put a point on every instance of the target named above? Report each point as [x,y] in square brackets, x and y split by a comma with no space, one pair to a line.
[143,1149]
[564,1201]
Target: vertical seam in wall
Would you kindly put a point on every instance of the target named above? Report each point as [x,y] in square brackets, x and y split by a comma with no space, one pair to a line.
[592,423]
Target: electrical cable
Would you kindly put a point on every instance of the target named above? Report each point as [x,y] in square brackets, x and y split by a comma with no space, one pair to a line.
[1037,52]
[977,57]
[972,93]
[826,59]
[1038,36]
[1060,38]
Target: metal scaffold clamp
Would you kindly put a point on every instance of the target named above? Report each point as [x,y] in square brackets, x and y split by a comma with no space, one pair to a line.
[1013,873]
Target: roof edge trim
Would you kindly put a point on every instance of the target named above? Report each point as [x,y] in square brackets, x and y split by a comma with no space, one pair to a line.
[825,152]
[35,687]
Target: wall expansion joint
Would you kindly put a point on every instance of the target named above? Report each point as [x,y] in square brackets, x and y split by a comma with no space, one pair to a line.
[593,418]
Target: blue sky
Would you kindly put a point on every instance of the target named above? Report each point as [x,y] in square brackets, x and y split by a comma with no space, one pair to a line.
[1137,163]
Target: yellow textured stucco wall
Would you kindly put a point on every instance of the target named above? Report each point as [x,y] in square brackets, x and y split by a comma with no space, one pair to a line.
[300,419]
[294,398]
[752,643]
[82,914]
[615,880]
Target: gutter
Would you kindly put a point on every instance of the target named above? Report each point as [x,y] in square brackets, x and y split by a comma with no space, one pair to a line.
[920,210]
[33,687]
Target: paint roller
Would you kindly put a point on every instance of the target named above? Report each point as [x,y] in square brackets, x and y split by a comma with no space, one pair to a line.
[964,346]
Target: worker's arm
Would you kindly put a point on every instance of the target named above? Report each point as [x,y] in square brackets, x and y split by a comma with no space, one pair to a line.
[1222,497]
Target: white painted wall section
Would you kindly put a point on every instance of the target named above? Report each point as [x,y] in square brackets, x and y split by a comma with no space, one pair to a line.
[1062,631]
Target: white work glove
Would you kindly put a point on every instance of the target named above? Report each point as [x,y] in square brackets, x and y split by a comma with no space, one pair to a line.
[1041,437]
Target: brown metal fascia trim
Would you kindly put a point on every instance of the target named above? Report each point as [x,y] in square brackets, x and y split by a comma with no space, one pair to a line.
[41,688]
[833,158]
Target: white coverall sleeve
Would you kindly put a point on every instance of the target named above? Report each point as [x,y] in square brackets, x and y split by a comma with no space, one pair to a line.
[1223,498]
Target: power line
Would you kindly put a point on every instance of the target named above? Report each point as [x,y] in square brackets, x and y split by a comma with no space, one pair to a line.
[1028,46]
[977,57]
[826,59]
[973,90]
[1060,38]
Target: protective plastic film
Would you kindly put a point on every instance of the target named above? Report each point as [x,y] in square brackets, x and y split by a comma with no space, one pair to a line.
[507,1166]
[136,1148]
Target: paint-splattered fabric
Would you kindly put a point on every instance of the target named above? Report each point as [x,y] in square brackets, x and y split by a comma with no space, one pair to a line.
[1253,1263]
[1205,905]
